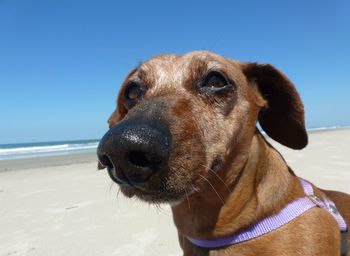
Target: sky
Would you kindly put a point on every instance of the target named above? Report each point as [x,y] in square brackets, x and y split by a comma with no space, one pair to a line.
[62,61]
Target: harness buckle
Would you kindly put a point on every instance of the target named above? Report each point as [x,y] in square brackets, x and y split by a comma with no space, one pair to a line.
[316,200]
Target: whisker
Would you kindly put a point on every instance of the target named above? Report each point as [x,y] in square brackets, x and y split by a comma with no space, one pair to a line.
[156,207]
[217,175]
[188,200]
[218,39]
[118,192]
[194,188]
[110,187]
[223,203]
[160,209]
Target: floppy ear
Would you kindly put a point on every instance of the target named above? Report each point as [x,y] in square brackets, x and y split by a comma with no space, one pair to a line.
[283,116]
[114,118]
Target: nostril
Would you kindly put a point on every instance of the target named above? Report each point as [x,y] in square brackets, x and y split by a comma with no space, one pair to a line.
[138,158]
[104,160]
[141,159]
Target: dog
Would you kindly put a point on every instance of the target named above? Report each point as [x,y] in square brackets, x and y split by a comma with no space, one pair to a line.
[185,133]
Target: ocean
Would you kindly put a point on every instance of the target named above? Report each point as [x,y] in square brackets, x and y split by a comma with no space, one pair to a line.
[29,150]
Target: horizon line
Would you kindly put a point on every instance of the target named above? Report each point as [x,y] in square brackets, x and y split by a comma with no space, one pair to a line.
[309,129]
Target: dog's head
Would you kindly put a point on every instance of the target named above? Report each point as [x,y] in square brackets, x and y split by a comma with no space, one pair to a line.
[180,117]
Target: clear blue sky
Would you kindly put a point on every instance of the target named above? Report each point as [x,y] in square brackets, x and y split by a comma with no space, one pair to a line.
[62,61]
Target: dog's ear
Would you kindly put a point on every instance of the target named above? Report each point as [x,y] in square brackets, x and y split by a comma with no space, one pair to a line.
[114,118]
[283,116]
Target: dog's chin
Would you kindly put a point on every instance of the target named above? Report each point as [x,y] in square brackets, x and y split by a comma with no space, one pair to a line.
[153,196]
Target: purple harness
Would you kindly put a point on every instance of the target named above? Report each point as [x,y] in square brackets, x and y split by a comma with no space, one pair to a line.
[287,214]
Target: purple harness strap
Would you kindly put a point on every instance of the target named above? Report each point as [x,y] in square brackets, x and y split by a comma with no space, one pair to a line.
[287,214]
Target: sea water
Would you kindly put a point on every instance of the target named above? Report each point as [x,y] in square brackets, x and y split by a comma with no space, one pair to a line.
[28,150]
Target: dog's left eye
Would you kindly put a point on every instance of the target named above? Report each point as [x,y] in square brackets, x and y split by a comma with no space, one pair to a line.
[215,82]
[132,94]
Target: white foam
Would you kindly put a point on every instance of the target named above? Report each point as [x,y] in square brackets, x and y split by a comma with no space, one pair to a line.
[36,151]
[327,128]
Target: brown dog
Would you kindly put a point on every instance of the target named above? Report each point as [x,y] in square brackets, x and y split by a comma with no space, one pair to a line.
[184,133]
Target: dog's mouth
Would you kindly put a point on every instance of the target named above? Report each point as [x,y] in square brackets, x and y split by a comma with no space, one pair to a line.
[152,196]
[118,176]
[144,191]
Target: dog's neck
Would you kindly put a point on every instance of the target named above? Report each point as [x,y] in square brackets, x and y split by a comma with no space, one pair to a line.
[251,187]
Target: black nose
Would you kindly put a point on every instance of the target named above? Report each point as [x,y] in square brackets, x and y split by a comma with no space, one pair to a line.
[134,150]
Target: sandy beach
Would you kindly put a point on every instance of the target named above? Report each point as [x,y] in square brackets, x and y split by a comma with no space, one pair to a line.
[62,205]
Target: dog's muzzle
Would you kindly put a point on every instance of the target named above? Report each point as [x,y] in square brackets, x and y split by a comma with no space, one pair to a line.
[134,150]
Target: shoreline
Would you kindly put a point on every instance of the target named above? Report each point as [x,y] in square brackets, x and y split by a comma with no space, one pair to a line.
[328,129]
[47,161]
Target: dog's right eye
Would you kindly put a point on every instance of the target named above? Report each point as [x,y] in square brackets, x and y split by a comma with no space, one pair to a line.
[132,94]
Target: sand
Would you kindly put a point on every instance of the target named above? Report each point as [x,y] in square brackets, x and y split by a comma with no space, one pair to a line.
[64,206]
